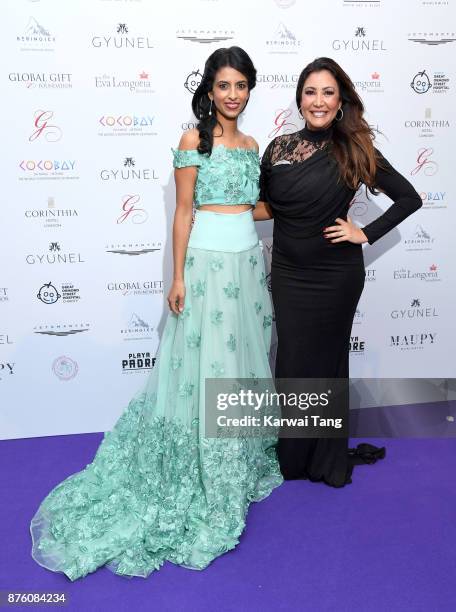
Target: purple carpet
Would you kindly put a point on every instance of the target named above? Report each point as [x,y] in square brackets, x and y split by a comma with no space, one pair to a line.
[385,542]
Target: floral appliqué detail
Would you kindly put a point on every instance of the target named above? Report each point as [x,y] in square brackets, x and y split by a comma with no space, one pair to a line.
[253,261]
[199,289]
[189,260]
[185,313]
[186,389]
[217,369]
[216,264]
[258,307]
[263,279]
[193,340]
[231,290]
[176,362]
[267,321]
[216,317]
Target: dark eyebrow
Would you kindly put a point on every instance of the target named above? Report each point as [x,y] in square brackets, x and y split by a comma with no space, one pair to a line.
[237,82]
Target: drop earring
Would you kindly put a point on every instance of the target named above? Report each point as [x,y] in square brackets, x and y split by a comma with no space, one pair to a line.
[210,109]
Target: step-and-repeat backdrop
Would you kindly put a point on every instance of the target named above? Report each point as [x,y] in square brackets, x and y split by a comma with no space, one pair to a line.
[94,95]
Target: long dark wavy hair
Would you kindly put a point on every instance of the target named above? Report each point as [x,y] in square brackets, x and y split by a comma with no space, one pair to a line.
[234,57]
[352,142]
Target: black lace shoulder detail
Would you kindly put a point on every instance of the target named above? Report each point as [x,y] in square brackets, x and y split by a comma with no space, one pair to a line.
[293,148]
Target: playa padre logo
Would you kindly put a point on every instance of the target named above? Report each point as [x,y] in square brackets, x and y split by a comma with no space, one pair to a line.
[357,346]
[193,81]
[205,36]
[49,294]
[360,42]
[53,169]
[126,125]
[134,249]
[432,38]
[438,82]
[61,329]
[415,310]
[65,368]
[51,217]
[36,37]
[44,128]
[122,38]
[127,288]
[140,83]
[433,199]
[284,41]
[128,172]
[370,85]
[54,256]
[136,362]
[413,342]
[42,80]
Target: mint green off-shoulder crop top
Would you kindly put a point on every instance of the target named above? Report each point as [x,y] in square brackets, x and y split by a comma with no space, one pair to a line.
[227,176]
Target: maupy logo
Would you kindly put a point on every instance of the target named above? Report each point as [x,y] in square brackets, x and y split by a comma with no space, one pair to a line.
[424,163]
[193,81]
[43,126]
[131,211]
[6,368]
[281,123]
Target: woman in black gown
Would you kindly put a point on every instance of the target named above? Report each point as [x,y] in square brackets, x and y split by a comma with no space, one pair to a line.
[308,180]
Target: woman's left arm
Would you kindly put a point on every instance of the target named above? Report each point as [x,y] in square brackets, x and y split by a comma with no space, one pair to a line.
[405,198]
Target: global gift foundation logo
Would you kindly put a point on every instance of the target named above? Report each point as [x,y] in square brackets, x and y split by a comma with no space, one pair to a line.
[42,80]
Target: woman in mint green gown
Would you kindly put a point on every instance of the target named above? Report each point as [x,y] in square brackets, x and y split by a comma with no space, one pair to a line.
[158,489]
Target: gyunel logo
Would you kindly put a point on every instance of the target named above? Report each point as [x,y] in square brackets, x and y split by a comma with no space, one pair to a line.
[122,39]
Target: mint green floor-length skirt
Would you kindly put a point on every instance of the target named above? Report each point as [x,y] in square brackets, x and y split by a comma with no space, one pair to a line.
[157,489]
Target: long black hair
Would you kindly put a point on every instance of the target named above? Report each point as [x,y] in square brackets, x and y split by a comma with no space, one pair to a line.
[234,57]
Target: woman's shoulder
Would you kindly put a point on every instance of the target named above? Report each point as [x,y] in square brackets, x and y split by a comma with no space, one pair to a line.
[250,143]
[189,140]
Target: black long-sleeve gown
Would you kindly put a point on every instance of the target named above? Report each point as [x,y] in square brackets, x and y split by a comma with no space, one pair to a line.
[316,284]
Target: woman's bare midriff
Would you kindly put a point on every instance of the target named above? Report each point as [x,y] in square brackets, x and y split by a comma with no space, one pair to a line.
[226,208]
